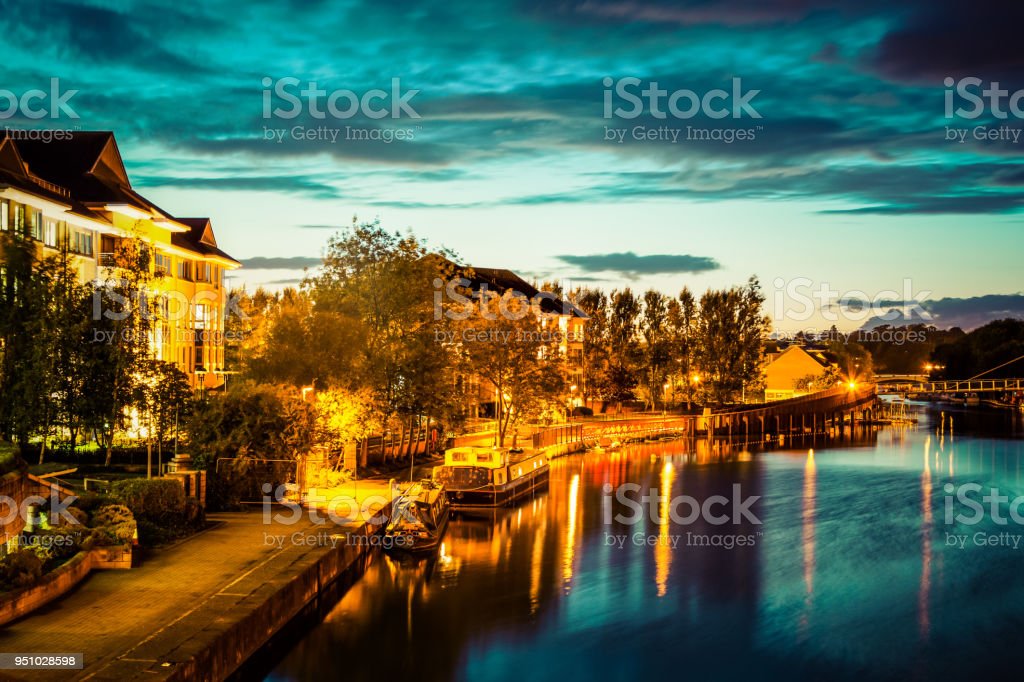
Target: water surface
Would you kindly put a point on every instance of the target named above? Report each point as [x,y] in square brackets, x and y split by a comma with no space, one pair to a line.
[849,574]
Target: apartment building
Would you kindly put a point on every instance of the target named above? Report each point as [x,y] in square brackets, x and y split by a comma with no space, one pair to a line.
[74,193]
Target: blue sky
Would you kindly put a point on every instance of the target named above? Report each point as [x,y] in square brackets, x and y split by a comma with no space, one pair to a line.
[849,179]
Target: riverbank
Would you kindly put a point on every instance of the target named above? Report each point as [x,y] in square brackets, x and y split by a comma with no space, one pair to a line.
[200,608]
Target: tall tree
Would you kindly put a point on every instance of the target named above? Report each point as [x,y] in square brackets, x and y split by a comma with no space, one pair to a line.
[731,332]
[506,346]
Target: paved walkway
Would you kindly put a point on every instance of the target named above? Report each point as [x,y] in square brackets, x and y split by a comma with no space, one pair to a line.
[118,618]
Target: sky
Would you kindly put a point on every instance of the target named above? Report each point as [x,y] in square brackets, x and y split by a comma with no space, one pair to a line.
[512,134]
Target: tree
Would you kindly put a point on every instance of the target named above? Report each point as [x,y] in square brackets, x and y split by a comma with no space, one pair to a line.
[656,349]
[730,338]
[509,348]
[682,318]
[165,396]
[379,286]
[121,329]
[623,350]
[594,303]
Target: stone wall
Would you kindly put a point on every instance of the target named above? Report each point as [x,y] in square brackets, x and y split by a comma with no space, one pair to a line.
[55,583]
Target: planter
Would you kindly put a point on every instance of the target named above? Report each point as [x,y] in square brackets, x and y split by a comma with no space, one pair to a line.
[59,581]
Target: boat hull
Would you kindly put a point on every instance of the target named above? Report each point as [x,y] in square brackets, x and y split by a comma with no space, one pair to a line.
[499,495]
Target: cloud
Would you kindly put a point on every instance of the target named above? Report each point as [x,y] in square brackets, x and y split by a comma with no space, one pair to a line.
[632,266]
[942,38]
[966,313]
[280,262]
[286,184]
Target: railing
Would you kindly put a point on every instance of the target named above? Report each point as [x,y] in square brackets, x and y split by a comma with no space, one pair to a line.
[956,386]
[108,260]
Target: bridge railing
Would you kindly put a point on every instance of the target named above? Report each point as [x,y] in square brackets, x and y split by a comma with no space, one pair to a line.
[958,386]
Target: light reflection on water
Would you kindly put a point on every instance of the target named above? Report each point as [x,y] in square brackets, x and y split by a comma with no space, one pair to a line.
[850,574]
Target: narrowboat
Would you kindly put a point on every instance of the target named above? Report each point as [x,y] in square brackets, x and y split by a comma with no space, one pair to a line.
[478,477]
[419,518]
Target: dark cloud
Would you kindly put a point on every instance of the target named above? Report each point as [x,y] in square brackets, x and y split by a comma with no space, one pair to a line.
[631,265]
[940,38]
[285,184]
[689,12]
[966,313]
[280,262]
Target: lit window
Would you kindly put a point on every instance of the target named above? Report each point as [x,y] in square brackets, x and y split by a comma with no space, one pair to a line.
[50,232]
[4,216]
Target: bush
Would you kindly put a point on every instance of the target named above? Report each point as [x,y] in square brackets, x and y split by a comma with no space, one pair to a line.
[581,411]
[113,524]
[81,518]
[150,498]
[20,569]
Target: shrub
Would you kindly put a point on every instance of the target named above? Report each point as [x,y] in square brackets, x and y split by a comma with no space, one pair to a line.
[20,569]
[113,524]
[150,498]
[81,517]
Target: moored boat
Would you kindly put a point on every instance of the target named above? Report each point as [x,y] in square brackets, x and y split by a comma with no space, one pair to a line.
[490,477]
[419,517]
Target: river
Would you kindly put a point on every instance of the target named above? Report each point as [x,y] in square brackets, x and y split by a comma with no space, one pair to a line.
[843,568]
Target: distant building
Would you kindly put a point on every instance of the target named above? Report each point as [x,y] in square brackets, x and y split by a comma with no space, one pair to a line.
[75,193]
[555,312]
[786,369]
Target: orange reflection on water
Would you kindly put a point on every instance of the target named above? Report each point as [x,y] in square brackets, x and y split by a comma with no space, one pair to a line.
[923,619]
[807,514]
[536,563]
[569,554]
[663,551]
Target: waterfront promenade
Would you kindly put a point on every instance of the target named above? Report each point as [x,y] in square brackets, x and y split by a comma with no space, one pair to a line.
[150,620]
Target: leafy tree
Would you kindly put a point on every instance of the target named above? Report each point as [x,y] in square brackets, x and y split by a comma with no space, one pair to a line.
[594,303]
[510,350]
[122,346]
[657,345]
[730,338]
[623,350]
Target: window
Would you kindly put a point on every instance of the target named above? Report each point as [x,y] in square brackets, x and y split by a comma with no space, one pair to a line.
[200,314]
[19,218]
[35,224]
[50,232]
[80,241]
[163,263]
[185,269]
[4,215]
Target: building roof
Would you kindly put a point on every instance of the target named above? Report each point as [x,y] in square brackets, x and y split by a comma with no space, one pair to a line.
[500,280]
[199,238]
[85,171]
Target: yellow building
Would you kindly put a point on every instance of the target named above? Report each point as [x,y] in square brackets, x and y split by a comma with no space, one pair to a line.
[785,371]
[76,192]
